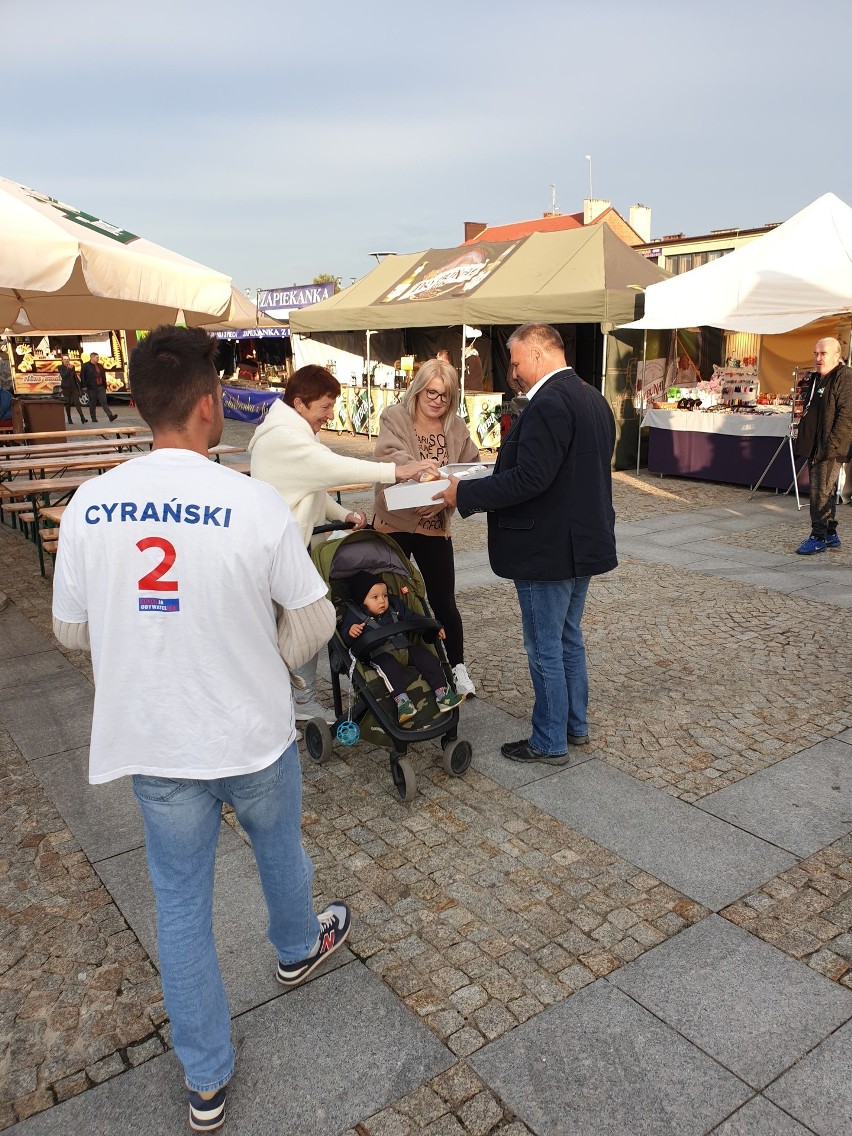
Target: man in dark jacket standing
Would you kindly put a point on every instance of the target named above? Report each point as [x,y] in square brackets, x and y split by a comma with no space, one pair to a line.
[93,377]
[551,527]
[825,439]
[70,388]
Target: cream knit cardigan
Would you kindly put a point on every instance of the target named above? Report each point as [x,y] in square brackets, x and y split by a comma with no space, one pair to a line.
[287,454]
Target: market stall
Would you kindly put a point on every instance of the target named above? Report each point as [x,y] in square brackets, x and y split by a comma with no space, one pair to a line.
[775,298]
[734,448]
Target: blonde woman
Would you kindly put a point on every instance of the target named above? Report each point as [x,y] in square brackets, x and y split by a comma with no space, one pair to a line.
[424,425]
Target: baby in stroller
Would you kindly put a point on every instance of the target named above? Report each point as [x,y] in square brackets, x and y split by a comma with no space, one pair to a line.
[371,606]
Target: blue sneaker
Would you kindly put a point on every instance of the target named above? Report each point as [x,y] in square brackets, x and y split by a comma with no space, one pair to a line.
[832,540]
[811,545]
[206,1114]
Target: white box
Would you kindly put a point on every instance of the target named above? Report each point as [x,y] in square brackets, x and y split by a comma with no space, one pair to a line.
[415,494]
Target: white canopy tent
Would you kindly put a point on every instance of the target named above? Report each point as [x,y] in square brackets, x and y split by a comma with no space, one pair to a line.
[792,276]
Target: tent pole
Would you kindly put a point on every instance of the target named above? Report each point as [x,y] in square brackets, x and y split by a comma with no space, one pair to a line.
[603,365]
[462,370]
[369,415]
[641,397]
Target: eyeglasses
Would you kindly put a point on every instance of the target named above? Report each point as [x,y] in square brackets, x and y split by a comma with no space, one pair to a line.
[436,396]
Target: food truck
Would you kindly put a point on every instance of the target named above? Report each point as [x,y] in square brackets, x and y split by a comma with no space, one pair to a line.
[34,360]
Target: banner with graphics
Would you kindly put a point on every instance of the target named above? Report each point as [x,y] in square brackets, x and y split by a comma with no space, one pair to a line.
[442,273]
[247,405]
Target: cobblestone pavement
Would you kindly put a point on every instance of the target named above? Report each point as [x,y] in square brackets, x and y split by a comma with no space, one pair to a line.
[474,907]
[807,912]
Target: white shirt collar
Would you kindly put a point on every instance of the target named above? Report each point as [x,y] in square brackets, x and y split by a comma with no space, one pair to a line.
[534,389]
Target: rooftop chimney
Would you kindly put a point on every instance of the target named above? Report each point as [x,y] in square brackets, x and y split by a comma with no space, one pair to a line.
[472,229]
[593,207]
[640,221]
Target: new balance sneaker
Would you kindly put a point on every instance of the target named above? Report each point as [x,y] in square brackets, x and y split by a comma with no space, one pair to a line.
[313,709]
[811,545]
[832,540]
[448,701]
[405,709]
[335,922]
[206,1114]
[462,680]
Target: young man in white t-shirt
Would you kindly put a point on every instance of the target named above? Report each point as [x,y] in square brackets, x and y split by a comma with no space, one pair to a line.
[191,585]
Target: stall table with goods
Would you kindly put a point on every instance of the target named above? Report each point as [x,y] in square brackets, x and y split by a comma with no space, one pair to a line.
[723,431]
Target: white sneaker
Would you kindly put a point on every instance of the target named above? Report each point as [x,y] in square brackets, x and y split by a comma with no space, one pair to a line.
[462,680]
[313,709]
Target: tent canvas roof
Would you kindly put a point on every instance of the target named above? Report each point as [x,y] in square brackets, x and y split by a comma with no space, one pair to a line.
[579,276]
[795,274]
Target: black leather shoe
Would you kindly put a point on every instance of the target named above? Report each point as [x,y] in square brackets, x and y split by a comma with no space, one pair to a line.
[523,751]
[113,417]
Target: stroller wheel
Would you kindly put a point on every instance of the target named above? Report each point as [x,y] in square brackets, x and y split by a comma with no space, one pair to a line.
[317,739]
[404,778]
[457,757]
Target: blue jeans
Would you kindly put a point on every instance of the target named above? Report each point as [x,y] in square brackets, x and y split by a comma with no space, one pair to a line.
[551,611]
[182,821]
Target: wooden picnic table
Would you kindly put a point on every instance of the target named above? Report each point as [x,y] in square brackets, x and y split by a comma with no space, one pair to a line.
[224,448]
[23,487]
[94,430]
[41,468]
[58,449]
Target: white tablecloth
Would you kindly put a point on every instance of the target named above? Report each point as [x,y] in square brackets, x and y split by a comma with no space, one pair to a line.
[740,425]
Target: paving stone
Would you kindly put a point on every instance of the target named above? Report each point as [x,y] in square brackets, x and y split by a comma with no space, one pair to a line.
[801,803]
[738,999]
[760,1118]
[818,1090]
[105,819]
[18,638]
[305,1087]
[609,1065]
[709,860]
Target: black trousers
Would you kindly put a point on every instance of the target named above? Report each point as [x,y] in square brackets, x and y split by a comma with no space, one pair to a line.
[72,398]
[434,557]
[418,657]
[98,397]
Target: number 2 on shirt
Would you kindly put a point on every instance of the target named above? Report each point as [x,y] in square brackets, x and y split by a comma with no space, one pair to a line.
[154,581]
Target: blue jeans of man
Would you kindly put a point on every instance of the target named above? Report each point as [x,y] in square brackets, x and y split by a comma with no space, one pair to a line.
[182,820]
[551,611]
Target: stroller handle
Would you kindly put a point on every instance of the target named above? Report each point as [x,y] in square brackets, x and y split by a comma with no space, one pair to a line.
[320,529]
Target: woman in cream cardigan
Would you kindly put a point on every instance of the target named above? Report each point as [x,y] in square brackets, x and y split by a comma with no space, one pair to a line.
[425,424]
[287,453]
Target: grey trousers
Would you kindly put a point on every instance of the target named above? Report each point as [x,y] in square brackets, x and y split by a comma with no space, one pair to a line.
[823,496]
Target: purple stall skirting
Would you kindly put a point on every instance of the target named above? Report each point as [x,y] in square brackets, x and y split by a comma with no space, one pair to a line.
[722,457]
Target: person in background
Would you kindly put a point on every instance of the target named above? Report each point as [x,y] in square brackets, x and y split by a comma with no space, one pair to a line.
[93,378]
[287,453]
[425,424]
[443,354]
[70,389]
[169,570]
[473,374]
[825,439]
[551,527]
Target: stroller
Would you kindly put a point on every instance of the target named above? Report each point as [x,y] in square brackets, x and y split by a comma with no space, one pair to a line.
[369,704]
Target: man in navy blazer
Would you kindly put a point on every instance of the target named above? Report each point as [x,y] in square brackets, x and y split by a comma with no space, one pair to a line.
[551,527]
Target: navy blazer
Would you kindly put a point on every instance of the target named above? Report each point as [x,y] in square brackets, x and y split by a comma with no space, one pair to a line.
[549,500]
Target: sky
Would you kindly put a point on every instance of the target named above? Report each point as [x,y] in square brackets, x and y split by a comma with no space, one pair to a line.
[275,141]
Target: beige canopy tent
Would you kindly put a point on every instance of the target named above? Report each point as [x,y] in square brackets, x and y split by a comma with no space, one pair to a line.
[579,276]
[62,268]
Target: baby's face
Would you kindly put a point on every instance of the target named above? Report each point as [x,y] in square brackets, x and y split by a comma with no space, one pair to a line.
[376,600]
